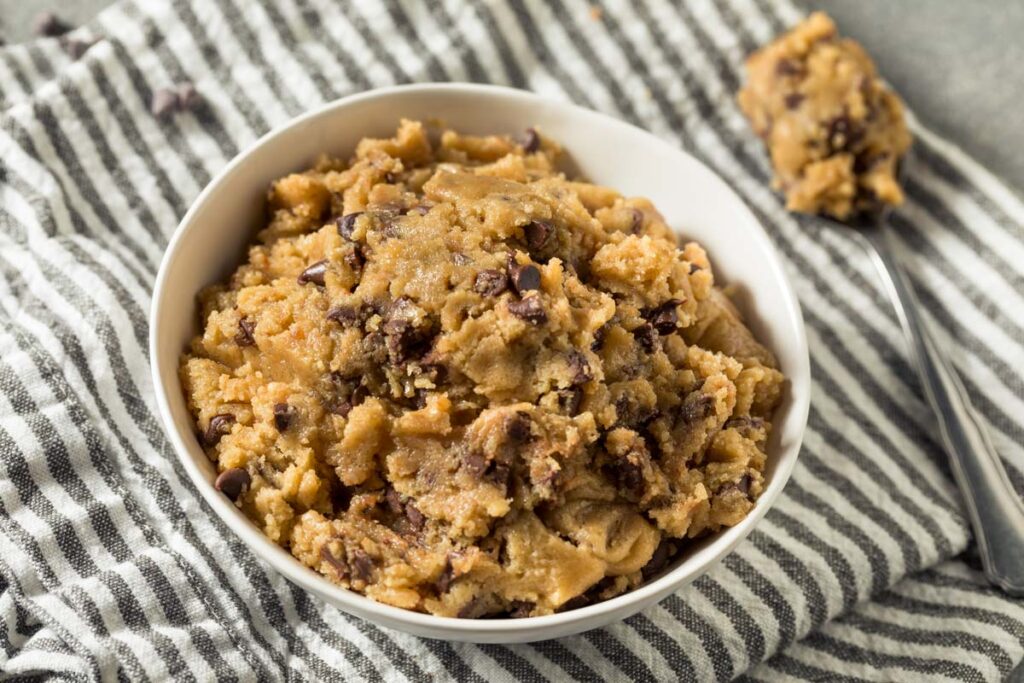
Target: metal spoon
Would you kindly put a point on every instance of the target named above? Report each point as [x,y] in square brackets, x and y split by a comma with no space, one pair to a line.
[995,510]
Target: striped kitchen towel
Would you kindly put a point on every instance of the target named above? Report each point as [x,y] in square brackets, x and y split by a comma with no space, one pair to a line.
[111,565]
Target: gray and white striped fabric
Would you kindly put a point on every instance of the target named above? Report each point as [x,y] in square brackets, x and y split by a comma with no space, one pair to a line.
[111,565]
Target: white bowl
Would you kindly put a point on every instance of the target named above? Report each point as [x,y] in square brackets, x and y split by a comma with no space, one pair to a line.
[211,240]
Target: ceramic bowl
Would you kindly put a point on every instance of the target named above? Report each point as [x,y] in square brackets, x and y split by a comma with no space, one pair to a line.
[212,238]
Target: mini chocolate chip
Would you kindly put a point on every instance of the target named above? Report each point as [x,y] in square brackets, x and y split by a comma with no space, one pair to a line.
[231,482]
[390,177]
[637,222]
[627,475]
[218,427]
[49,24]
[525,278]
[599,334]
[699,408]
[491,282]
[474,609]
[355,259]
[499,474]
[314,273]
[581,600]
[420,209]
[793,100]
[580,368]
[346,316]
[664,317]
[788,67]
[415,517]
[531,140]
[743,485]
[694,268]
[517,426]
[646,337]
[363,565]
[188,97]
[658,560]
[529,309]
[76,47]
[460,259]
[347,224]
[343,409]
[475,464]
[339,565]
[246,328]
[842,133]
[537,234]
[520,609]
[163,102]
[570,400]
[444,582]
[283,416]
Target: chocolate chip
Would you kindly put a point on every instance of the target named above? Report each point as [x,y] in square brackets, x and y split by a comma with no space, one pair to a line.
[393,500]
[218,427]
[525,278]
[517,426]
[283,416]
[189,98]
[581,600]
[696,409]
[842,133]
[347,224]
[460,259]
[599,334]
[638,221]
[694,268]
[231,482]
[788,67]
[475,464]
[490,282]
[664,317]
[743,485]
[343,408]
[529,309]
[569,400]
[793,100]
[246,328]
[76,47]
[49,24]
[339,565]
[346,316]
[444,582]
[531,141]
[580,368]
[314,273]
[520,609]
[355,259]
[658,560]
[415,517]
[420,209]
[407,334]
[627,475]
[474,609]
[362,565]
[537,234]
[163,102]
[499,474]
[646,337]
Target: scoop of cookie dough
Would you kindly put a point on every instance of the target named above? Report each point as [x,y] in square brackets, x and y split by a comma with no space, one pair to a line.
[835,132]
[452,379]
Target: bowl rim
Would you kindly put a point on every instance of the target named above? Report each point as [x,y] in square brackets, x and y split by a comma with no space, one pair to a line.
[360,605]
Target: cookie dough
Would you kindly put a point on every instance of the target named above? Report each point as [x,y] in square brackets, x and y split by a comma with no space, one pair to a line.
[453,380]
[835,132]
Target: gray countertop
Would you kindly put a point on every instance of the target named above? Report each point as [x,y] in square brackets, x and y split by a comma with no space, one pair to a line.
[959,65]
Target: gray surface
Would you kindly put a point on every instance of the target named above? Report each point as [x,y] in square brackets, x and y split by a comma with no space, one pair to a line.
[960,65]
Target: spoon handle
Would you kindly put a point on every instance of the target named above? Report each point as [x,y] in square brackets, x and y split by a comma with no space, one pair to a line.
[995,510]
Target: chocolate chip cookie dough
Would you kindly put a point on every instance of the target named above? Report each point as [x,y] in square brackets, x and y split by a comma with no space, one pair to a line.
[835,132]
[454,380]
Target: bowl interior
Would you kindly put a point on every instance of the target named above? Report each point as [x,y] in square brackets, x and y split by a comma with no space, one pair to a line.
[212,238]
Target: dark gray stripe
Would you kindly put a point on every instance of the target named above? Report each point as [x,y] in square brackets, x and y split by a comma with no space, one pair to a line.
[513,662]
[404,27]
[10,61]
[467,56]
[713,644]
[382,55]
[746,627]
[509,61]
[785,664]
[619,655]
[289,39]
[677,658]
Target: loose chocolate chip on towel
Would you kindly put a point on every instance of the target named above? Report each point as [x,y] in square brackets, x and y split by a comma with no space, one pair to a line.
[231,482]
[314,273]
[163,102]
[188,97]
[50,25]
